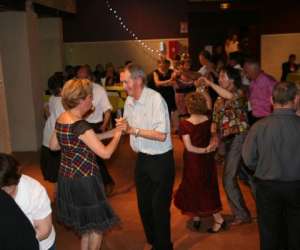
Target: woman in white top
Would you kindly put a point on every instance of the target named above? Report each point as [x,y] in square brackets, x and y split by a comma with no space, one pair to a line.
[31,197]
[50,160]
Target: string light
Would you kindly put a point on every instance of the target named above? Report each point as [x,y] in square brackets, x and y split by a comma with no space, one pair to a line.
[153,52]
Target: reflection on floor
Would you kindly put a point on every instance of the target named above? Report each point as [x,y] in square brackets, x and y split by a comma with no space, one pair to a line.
[130,235]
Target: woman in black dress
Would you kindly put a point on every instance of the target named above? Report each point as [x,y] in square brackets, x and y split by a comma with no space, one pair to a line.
[164,83]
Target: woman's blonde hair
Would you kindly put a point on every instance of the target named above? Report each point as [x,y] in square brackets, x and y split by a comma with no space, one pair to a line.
[196,103]
[75,90]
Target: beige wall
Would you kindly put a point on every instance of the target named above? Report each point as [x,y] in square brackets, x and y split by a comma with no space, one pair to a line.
[116,52]
[51,47]
[21,60]
[5,143]
[275,50]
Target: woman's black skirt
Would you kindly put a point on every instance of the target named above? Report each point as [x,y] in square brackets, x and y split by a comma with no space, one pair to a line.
[82,205]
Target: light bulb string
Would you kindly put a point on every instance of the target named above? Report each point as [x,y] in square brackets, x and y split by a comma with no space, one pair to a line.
[153,52]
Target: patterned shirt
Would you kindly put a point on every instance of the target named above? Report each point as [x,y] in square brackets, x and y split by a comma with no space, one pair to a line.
[230,116]
[77,159]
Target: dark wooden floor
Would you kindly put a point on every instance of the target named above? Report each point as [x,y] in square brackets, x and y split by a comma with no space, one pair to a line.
[130,235]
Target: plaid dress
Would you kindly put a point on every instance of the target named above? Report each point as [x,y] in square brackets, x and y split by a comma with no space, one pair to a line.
[81,200]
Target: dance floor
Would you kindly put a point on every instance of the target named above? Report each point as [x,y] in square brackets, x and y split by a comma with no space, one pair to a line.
[129,236]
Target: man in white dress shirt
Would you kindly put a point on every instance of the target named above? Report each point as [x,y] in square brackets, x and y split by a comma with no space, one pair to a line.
[147,119]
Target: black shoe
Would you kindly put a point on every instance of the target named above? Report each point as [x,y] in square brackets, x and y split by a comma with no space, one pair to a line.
[223,226]
[196,225]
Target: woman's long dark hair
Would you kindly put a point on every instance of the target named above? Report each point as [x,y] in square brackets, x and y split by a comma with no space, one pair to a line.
[233,74]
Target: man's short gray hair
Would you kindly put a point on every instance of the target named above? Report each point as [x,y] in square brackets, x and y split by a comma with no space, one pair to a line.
[137,71]
[253,62]
[284,92]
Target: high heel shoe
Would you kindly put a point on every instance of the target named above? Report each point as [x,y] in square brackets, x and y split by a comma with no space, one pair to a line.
[223,226]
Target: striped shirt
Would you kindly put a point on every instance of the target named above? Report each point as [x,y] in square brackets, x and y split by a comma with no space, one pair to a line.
[150,112]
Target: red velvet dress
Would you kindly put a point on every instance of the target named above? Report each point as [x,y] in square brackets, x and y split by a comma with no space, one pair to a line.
[198,192]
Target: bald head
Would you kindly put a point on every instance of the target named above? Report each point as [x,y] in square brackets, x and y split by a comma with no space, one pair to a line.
[252,69]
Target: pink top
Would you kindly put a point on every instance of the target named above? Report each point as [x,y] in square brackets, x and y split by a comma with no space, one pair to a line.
[260,95]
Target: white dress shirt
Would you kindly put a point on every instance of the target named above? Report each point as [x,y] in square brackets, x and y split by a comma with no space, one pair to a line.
[150,112]
[101,104]
[55,109]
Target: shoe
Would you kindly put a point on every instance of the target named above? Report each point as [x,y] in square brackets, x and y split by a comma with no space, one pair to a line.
[222,226]
[196,225]
[237,222]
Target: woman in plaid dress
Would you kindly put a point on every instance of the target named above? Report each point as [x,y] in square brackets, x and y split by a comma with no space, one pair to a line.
[81,200]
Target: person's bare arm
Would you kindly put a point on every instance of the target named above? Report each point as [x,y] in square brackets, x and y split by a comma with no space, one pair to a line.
[159,83]
[220,91]
[91,140]
[43,227]
[106,135]
[148,134]
[193,149]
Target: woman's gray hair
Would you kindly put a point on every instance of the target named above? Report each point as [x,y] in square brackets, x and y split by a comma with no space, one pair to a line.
[137,71]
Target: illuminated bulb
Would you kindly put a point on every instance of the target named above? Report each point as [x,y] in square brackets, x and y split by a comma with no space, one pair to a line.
[120,18]
[115,12]
[110,9]
[121,23]
[225,6]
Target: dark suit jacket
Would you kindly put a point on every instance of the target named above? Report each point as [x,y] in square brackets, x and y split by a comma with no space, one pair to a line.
[286,69]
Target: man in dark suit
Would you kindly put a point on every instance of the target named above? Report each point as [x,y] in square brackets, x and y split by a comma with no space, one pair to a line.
[289,67]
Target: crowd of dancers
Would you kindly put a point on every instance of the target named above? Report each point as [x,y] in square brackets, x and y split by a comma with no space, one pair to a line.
[228,106]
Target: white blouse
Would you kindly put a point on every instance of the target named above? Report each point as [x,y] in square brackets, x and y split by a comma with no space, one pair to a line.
[55,109]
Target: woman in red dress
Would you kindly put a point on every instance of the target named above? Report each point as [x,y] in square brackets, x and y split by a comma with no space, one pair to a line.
[198,194]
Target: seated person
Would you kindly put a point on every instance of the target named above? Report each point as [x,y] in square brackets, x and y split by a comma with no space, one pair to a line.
[31,197]
[16,231]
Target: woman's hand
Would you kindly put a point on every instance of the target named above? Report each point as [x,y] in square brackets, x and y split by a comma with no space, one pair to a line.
[123,125]
[205,81]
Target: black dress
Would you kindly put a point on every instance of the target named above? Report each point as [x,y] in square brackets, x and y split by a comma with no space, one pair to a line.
[167,92]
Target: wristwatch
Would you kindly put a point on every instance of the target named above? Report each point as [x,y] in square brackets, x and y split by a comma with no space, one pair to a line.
[136,132]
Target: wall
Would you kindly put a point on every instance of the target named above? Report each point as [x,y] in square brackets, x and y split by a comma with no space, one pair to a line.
[51,47]
[116,52]
[20,57]
[148,19]
[5,143]
[280,17]
[64,5]
[275,50]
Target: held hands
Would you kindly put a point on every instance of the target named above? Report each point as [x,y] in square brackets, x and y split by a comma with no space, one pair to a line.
[204,81]
[123,126]
[210,148]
